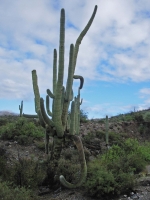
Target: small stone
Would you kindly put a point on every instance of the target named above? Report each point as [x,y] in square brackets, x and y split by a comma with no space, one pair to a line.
[132,193]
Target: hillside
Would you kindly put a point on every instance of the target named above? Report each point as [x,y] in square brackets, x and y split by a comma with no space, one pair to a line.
[26,150]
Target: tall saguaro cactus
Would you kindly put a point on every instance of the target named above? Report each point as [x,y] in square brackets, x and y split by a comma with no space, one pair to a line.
[58,123]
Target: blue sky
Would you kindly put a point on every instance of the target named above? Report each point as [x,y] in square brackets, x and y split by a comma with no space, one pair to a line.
[114,56]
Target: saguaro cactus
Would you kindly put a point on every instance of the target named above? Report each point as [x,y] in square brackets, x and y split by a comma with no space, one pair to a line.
[58,123]
[21,108]
[106,130]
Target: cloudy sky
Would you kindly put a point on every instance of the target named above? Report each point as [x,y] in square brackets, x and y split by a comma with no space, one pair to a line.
[114,56]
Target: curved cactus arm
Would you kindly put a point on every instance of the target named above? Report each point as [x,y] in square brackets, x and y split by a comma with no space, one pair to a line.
[48,106]
[81,80]
[79,146]
[82,34]
[46,119]
[30,116]
[50,94]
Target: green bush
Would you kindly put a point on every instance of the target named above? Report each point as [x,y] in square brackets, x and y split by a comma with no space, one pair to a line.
[69,165]
[145,151]
[83,116]
[146,117]
[114,172]
[8,192]
[26,173]
[22,130]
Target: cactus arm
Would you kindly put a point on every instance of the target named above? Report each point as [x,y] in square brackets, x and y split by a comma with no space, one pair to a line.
[77,127]
[36,90]
[50,94]
[48,106]
[72,119]
[82,34]
[70,74]
[68,94]
[30,116]
[57,110]
[79,146]
[81,80]
[54,71]
[47,120]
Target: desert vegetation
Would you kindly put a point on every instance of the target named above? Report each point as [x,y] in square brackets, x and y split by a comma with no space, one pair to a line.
[110,173]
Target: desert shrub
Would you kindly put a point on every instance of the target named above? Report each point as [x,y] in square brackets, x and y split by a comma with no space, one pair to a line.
[69,165]
[70,170]
[101,121]
[145,151]
[128,117]
[3,167]
[138,118]
[40,145]
[99,181]
[83,116]
[114,172]
[100,134]
[87,138]
[22,130]
[146,117]
[26,173]
[8,192]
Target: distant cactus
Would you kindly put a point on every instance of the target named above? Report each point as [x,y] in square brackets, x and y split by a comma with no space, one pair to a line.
[21,108]
[106,131]
[61,125]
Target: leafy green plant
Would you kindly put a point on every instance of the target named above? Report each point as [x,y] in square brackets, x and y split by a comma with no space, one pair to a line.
[83,116]
[26,173]
[8,192]
[23,130]
[146,117]
[114,172]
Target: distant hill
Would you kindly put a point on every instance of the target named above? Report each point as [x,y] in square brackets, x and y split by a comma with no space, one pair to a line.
[4,112]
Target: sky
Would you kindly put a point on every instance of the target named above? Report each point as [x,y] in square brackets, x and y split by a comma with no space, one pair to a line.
[114,56]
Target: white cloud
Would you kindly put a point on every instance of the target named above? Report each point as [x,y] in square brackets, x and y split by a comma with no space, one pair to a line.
[116,48]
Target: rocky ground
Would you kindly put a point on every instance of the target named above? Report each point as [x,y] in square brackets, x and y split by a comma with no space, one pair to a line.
[96,146]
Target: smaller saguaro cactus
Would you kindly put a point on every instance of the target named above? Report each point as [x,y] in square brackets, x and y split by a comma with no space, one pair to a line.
[106,130]
[21,108]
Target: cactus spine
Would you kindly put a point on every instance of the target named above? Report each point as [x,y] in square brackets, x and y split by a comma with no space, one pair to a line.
[61,125]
